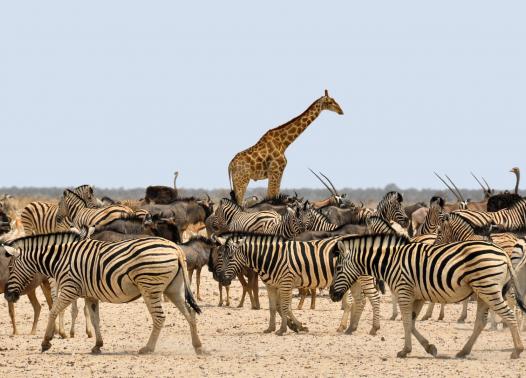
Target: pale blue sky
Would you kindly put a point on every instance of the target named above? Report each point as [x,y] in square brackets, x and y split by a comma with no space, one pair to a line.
[122,93]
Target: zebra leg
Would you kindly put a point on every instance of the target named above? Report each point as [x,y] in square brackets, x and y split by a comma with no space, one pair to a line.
[493,321]
[175,292]
[373,295]
[220,295]
[244,285]
[285,299]
[303,295]
[394,302]
[429,312]
[36,310]
[356,308]
[63,300]
[87,318]
[429,348]
[442,307]
[227,289]
[273,304]
[406,308]
[313,299]
[253,283]
[59,326]
[74,314]
[480,323]
[464,313]
[93,308]
[11,307]
[153,301]
[347,302]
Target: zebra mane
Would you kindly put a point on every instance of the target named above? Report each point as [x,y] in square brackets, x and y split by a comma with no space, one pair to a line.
[199,238]
[231,235]
[52,238]
[233,203]
[75,195]
[404,238]
[478,230]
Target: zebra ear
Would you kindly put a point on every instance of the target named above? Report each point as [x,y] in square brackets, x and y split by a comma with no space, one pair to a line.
[240,241]
[10,251]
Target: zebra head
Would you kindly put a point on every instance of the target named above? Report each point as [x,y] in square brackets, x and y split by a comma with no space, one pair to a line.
[19,273]
[344,274]
[232,259]
[390,209]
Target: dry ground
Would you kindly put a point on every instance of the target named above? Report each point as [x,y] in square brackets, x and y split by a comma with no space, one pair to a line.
[238,346]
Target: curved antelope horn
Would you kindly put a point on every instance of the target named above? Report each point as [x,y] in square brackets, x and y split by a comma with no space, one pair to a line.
[330,182]
[445,183]
[458,191]
[489,188]
[323,182]
[475,177]
[176,173]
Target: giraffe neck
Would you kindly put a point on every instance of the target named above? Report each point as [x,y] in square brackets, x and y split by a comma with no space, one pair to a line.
[284,135]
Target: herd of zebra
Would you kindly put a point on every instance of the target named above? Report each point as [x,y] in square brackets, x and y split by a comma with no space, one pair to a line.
[103,250]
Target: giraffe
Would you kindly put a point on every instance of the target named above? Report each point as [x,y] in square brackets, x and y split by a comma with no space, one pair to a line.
[266,159]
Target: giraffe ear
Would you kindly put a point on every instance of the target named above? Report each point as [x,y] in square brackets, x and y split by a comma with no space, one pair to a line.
[326,93]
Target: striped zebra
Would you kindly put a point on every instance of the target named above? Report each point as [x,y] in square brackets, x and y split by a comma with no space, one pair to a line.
[82,215]
[110,272]
[230,217]
[431,221]
[390,208]
[454,228]
[283,265]
[442,274]
[509,219]
[44,217]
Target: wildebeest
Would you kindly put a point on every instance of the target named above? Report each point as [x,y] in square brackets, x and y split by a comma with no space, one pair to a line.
[161,195]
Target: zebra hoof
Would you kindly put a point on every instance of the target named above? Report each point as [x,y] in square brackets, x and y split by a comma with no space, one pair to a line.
[340,329]
[432,350]
[461,320]
[45,345]
[63,335]
[304,329]
[145,350]
[463,353]
[88,334]
[515,354]
[279,332]
[269,330]
[95,350]
[373,331]
[349,331]
[442,318]
[403,353]
[425,317]
[201,352]
[393,317]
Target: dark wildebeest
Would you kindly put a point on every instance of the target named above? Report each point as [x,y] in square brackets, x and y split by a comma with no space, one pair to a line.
[197,250]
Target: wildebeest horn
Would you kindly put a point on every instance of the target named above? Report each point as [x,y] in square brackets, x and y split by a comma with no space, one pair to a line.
[458,191]
[330,182]
[451,189]
[475,177]
[323,182]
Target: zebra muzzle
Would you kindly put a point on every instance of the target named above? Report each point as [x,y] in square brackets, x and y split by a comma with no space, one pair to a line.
[335,296]
[11,296]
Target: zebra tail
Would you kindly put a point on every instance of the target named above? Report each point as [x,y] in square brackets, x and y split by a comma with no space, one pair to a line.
[188,296]
[518,294]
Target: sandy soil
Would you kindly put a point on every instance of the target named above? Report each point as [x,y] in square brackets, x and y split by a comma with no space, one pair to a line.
[237,345]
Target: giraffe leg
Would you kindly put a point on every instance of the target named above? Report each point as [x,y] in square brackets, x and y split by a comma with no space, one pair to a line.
[36,310]
[240,187]
[276,168]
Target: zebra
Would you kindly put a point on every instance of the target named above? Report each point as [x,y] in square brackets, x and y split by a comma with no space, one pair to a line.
[110,272]
[453,228]
[443,274]
[390,209]
[509,219]
[83,216]
[430,225]
[44,217]
[230,217]
[283,264]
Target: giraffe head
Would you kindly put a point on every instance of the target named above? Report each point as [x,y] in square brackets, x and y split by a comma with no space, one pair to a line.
[328,103]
